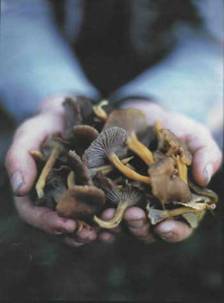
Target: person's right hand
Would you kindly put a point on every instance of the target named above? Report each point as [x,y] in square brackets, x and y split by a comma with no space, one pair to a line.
[22,172]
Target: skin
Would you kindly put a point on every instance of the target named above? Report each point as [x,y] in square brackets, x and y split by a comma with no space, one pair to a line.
[22,172]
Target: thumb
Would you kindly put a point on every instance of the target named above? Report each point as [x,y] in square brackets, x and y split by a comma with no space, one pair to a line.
[19,163]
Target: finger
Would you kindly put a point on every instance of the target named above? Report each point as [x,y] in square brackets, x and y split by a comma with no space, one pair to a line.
[173,231]
[20,165]
[43,218]
[86,234]
[108,215]
[207,156]
[138,224]
[135,217]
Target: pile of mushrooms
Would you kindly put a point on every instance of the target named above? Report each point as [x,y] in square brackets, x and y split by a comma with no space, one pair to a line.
[113,158]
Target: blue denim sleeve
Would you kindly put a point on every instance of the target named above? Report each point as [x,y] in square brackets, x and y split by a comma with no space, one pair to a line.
[35,60]
[189,80]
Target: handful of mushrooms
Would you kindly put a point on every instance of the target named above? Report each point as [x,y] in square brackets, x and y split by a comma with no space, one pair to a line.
[114,158]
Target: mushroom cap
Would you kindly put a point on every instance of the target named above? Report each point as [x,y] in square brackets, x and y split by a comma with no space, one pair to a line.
[83,135]
[109,140]
[130,119]
[172,146]
[80,169]
[165,184]
[81,201]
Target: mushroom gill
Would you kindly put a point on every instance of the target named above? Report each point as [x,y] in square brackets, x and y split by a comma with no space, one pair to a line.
[108,144]
[123,199]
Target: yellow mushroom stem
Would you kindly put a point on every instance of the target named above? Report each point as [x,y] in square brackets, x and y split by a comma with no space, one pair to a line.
[36,154]
[139,149]
[117,218]
[158,127]
[106,169]
[46,170]
[182,169]
[128,172]
[71,180]
[99,111]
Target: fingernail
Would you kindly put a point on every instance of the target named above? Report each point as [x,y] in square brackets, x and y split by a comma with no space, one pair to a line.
[16,181]
[166,230]
[208,172]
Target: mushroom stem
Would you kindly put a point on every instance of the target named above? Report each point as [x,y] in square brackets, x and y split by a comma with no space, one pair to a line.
[99,111]
[182,169]
[71,180]
[156,215]
[117,218]
[46,170]
[140,149]
[128,172]
[158,127]
[105,169]
[37,155]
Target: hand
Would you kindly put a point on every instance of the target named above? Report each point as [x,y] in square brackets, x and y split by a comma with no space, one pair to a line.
[206,161]
[22,171]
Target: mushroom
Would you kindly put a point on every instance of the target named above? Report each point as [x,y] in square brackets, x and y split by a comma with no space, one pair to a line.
[193,207]
[99,111]
[83,135]
[165,184]
[123,199]
[79,168]
[169,144]
[81,202]
[78,110]
[71,179]
[106,169]
[205,192]
[56,150]
[108,144]
[134,122]
[37,155]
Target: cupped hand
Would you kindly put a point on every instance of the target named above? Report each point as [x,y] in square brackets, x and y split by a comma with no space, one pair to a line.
[22,172]
[207,159]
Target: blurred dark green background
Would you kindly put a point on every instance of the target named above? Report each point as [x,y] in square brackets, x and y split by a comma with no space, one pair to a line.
[36,266]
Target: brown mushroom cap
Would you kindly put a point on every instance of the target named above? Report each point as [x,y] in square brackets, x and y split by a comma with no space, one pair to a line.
[110,140]
[166,185]
[81,201]
[130,119]
[83,136]
[172,146]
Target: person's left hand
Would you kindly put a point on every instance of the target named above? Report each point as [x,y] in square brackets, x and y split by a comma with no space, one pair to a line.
[206,161]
